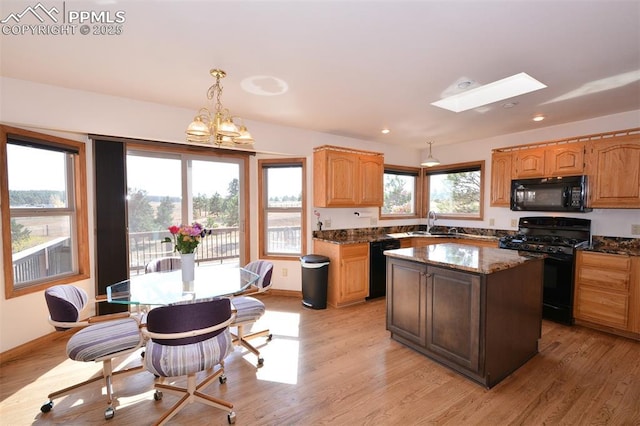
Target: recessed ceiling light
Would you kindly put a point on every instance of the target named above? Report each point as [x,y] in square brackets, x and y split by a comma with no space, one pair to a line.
[464,84]
[538,118]
[264,85]
[385,131]
[509,104]
[509,87]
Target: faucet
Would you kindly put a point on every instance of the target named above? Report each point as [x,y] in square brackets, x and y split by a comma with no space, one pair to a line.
[431,220]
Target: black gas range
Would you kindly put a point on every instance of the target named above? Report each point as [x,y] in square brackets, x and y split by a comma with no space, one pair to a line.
[558,238]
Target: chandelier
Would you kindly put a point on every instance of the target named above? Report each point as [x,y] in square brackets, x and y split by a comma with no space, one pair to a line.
[215,124]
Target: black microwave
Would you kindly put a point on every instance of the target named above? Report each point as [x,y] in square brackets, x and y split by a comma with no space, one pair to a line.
[557,194]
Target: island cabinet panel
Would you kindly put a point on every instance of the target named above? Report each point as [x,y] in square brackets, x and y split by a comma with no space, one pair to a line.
[482,325]
[453,314]
[407,303]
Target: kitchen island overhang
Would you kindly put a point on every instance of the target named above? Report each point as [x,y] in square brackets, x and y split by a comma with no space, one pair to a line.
[476,310]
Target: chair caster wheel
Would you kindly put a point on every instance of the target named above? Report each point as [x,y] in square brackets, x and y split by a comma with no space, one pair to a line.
[157,395]
[47,407]
[260,362]
[269,337]
[222,379]
[109,413]
[231,418]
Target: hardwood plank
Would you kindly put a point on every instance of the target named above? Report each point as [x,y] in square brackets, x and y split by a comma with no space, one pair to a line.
[340,366]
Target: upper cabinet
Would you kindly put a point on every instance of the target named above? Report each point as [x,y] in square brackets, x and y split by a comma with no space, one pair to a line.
[610,160]
[564,160]
[501,172]
[613,168]
[529,163]
[344,177]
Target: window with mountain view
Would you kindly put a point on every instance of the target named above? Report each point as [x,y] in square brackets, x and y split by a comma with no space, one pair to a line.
[48,233]
[282,208]
[455,192]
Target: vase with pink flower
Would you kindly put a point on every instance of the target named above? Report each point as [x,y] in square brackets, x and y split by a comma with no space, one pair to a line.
[185,239]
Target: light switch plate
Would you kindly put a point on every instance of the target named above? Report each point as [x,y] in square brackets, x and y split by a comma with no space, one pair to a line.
[514,223]
[635,229]
[492,222]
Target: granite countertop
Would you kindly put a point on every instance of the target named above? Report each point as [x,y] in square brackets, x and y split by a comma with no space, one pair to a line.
[615,245]
[479,260]
[355,239]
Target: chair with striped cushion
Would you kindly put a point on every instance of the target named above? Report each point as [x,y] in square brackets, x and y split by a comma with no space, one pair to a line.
[163,264]
[101,339]
[249,309]
[186,338]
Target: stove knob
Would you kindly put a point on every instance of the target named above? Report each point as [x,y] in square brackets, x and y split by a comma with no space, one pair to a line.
[551,250]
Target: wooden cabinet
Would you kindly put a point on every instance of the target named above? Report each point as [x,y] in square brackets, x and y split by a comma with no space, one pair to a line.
[348,271]
[613,168]
[454,295]
[529,163]
[483,326]
[407,303]
[347,178]
[501,174]
[564,160]
[607,292]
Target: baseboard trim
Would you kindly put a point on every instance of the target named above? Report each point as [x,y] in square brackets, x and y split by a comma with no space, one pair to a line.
[285,293]
[32,345]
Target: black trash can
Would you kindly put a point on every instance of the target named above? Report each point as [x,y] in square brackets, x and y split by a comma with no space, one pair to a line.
[315,278]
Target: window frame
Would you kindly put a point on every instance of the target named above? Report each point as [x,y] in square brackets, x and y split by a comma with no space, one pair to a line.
[79,216]
[453,168]
[405,171]
[263,209]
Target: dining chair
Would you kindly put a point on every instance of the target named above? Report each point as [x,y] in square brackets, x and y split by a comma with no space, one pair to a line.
[184,339]
[162,264]
[100,339]
[249,309]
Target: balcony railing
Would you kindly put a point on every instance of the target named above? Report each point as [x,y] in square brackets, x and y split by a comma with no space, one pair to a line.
[54,257]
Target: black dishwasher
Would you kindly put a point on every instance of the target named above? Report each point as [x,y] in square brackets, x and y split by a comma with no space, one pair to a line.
[378,266]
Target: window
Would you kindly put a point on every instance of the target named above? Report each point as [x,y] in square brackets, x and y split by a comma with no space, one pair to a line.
[173,188]
[400,192]
[282,208]
[456,191]
[44,221]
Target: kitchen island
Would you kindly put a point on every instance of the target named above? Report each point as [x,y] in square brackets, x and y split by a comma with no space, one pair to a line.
[476,310]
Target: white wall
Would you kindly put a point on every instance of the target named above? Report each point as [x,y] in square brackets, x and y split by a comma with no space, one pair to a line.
[74,114]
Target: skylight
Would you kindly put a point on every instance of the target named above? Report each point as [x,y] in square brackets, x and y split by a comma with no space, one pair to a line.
[506,88]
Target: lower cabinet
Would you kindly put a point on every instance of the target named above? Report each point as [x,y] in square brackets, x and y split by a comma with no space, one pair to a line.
[348,271]
[482,326]
[607,292]
[453,316]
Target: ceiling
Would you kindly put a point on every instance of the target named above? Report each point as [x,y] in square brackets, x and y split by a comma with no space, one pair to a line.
[350,68]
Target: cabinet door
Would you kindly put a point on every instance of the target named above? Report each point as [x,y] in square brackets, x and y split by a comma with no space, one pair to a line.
[614,172]
[406,300]
[453,316]
[529,163]
[602,289]
[370,181]
[501,171]
[341,179]
[564,160]
[354,277]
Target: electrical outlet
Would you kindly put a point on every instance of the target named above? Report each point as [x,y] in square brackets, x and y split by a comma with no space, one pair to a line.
[635,229]
[492,222]
[327,222]
[373,221]
[514,223]
[285,272]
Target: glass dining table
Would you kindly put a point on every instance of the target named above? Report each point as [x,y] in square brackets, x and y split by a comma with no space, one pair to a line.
[164,288]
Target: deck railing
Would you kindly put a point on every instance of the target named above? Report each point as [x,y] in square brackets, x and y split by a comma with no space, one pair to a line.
[54,257]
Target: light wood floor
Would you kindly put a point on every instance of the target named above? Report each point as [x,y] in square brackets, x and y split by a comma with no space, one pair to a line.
[339,367]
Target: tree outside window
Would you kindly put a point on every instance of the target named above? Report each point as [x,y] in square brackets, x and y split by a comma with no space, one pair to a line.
[456,191]
[400,192]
